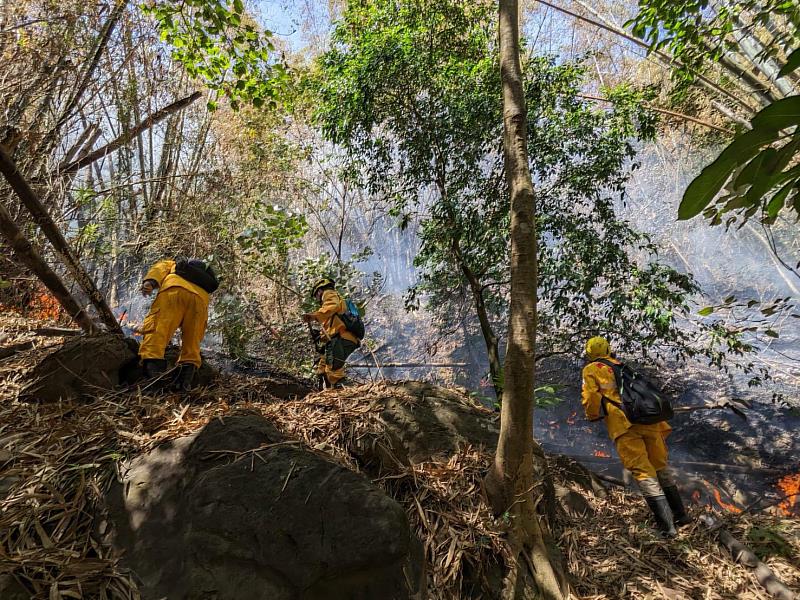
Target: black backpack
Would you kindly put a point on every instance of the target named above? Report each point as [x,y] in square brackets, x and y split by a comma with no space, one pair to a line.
[352,319]
[642,401]
[198,273]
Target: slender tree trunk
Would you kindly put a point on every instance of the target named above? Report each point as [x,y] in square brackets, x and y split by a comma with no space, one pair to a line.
[27,255]
[60,245]
[512,483]
[489,337]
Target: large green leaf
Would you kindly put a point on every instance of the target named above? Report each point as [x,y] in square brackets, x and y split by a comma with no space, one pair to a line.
[779,115]
[778,199]
[705,186]
[792,62]
[760,164]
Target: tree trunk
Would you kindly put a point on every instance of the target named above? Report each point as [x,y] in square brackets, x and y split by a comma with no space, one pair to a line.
[60,245]
[28,256]
[489,337]
[511,483]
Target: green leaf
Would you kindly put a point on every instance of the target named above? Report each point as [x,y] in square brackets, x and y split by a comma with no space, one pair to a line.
[704,312]
[778,199]
[706,185]
[758,164]
[771,333]
[792,62]
[778,115]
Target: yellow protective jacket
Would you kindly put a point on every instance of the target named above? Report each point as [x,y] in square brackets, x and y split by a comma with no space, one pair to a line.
[599,382]
[328,316]
[163,273]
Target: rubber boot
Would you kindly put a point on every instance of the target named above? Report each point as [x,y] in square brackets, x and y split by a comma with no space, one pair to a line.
[322,382]
[679,515]
[184,377]
[663,514]
[154,367]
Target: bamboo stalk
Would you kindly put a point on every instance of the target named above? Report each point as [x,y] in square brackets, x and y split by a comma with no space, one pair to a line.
[28,256]
[129,135]
[661,55]
[745,556]
[60,244]
[671,113]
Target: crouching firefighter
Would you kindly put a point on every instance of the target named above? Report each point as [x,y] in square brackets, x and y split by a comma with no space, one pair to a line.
[182,301]
[636,424]
[341,332]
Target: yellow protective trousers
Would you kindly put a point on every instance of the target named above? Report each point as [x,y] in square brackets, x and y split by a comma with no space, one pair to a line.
[332,360]
[175,307]
[644,453]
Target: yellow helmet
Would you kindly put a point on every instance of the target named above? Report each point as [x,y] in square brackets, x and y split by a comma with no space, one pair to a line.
[597,347]
[323,283]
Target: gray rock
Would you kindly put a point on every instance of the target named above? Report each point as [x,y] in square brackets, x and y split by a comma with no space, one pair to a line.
[83,366]
[201,517]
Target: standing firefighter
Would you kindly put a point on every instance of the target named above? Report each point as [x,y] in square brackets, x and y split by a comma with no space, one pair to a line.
[341,331]
[641,447]
[182,301]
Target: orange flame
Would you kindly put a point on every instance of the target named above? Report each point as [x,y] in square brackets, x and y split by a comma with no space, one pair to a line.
[790,486]
[44,307]
[602,454]
[729,507]
[572,417]
[696,496]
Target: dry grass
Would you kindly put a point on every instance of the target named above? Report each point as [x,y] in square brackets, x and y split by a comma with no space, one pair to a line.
[58,460]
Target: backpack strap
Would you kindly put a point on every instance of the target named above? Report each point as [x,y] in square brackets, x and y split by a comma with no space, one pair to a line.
[616,369]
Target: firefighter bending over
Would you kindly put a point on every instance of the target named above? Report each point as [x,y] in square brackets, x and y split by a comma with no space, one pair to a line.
[337,342]
[182,301]
[641,448]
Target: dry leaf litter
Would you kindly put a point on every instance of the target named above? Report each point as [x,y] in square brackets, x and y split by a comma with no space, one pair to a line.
[57,460]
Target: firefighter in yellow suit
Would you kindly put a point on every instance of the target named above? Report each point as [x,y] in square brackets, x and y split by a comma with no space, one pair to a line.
[641,448]
[179,303]
[339,343]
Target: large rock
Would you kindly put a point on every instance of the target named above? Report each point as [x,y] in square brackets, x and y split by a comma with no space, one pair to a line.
[437,422]
[83,366]
[204,517]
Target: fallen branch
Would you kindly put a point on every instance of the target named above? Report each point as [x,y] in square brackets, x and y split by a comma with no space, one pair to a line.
[410,365]
[56,331]
[127,136]
[745,556]
[11,350]
[704,466]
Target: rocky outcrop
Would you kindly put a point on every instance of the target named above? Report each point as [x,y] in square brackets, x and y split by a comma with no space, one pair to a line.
[82,367]
[236,511]
[85,366]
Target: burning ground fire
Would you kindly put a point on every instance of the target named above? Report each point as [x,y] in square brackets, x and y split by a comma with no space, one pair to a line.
[790,487]
[729,507]
[129,326]
[43,306]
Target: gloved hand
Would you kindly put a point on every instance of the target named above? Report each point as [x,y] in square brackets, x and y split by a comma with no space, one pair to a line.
[148,285]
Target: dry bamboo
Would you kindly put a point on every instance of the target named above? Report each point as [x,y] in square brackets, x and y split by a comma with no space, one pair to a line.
[56,238]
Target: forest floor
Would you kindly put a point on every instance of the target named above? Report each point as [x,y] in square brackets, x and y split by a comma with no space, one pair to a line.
[57,459]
